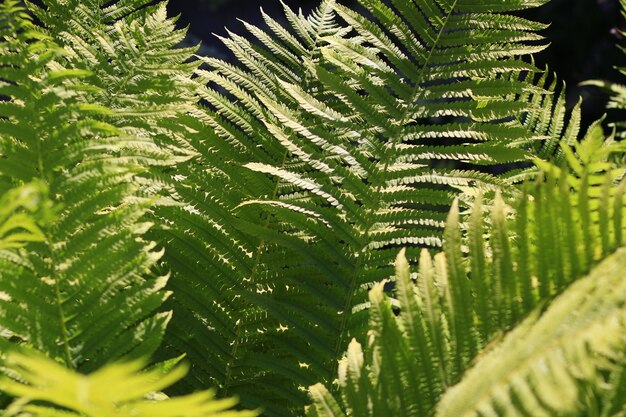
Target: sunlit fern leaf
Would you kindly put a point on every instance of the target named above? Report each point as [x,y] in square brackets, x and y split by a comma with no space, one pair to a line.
[573,344]
[554,364]
[84,293]
[459,307]
[592,168]
[567,220]
[130,49]
[44,388]
[137,70]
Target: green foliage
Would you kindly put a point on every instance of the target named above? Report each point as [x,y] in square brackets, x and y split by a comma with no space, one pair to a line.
[357,139]
[555,364]
[545,366]
[127,51]
[22,210]
[458,309]
[83,290]
[43,388]
[153,205]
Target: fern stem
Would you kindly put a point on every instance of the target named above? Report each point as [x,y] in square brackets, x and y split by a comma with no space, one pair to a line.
[233,353]
[430,53]
[66,342]
[57,288]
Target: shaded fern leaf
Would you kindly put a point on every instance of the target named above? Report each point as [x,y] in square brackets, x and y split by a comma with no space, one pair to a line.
[223,273]
[84,292]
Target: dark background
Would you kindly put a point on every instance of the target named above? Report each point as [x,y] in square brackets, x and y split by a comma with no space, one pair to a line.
[583,36]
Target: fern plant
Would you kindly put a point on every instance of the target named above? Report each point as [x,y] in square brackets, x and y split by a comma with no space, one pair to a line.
[575,344]
[550,365]
[566,359]
[132,68]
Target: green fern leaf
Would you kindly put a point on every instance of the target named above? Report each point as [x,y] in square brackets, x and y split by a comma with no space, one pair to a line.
[45,388]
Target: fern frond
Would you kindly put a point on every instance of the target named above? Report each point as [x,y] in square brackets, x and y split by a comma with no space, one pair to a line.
[129,47]
[43,387]
[553,364]
[135,68]
[225,260]
[85,292]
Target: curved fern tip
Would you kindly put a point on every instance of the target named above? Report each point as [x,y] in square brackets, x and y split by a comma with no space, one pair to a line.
[402,265]
[377,293]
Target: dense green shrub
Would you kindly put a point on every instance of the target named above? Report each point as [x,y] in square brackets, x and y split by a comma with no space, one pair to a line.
[247,216]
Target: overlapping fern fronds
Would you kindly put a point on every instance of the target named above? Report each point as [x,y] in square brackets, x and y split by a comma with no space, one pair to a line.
[556,364]
[514,266]
[350,137]
[44,388]
[221,273]
[357,139]
[82,292]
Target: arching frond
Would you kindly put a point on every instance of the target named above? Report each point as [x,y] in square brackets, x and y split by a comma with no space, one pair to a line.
[224,263]
[368,130]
